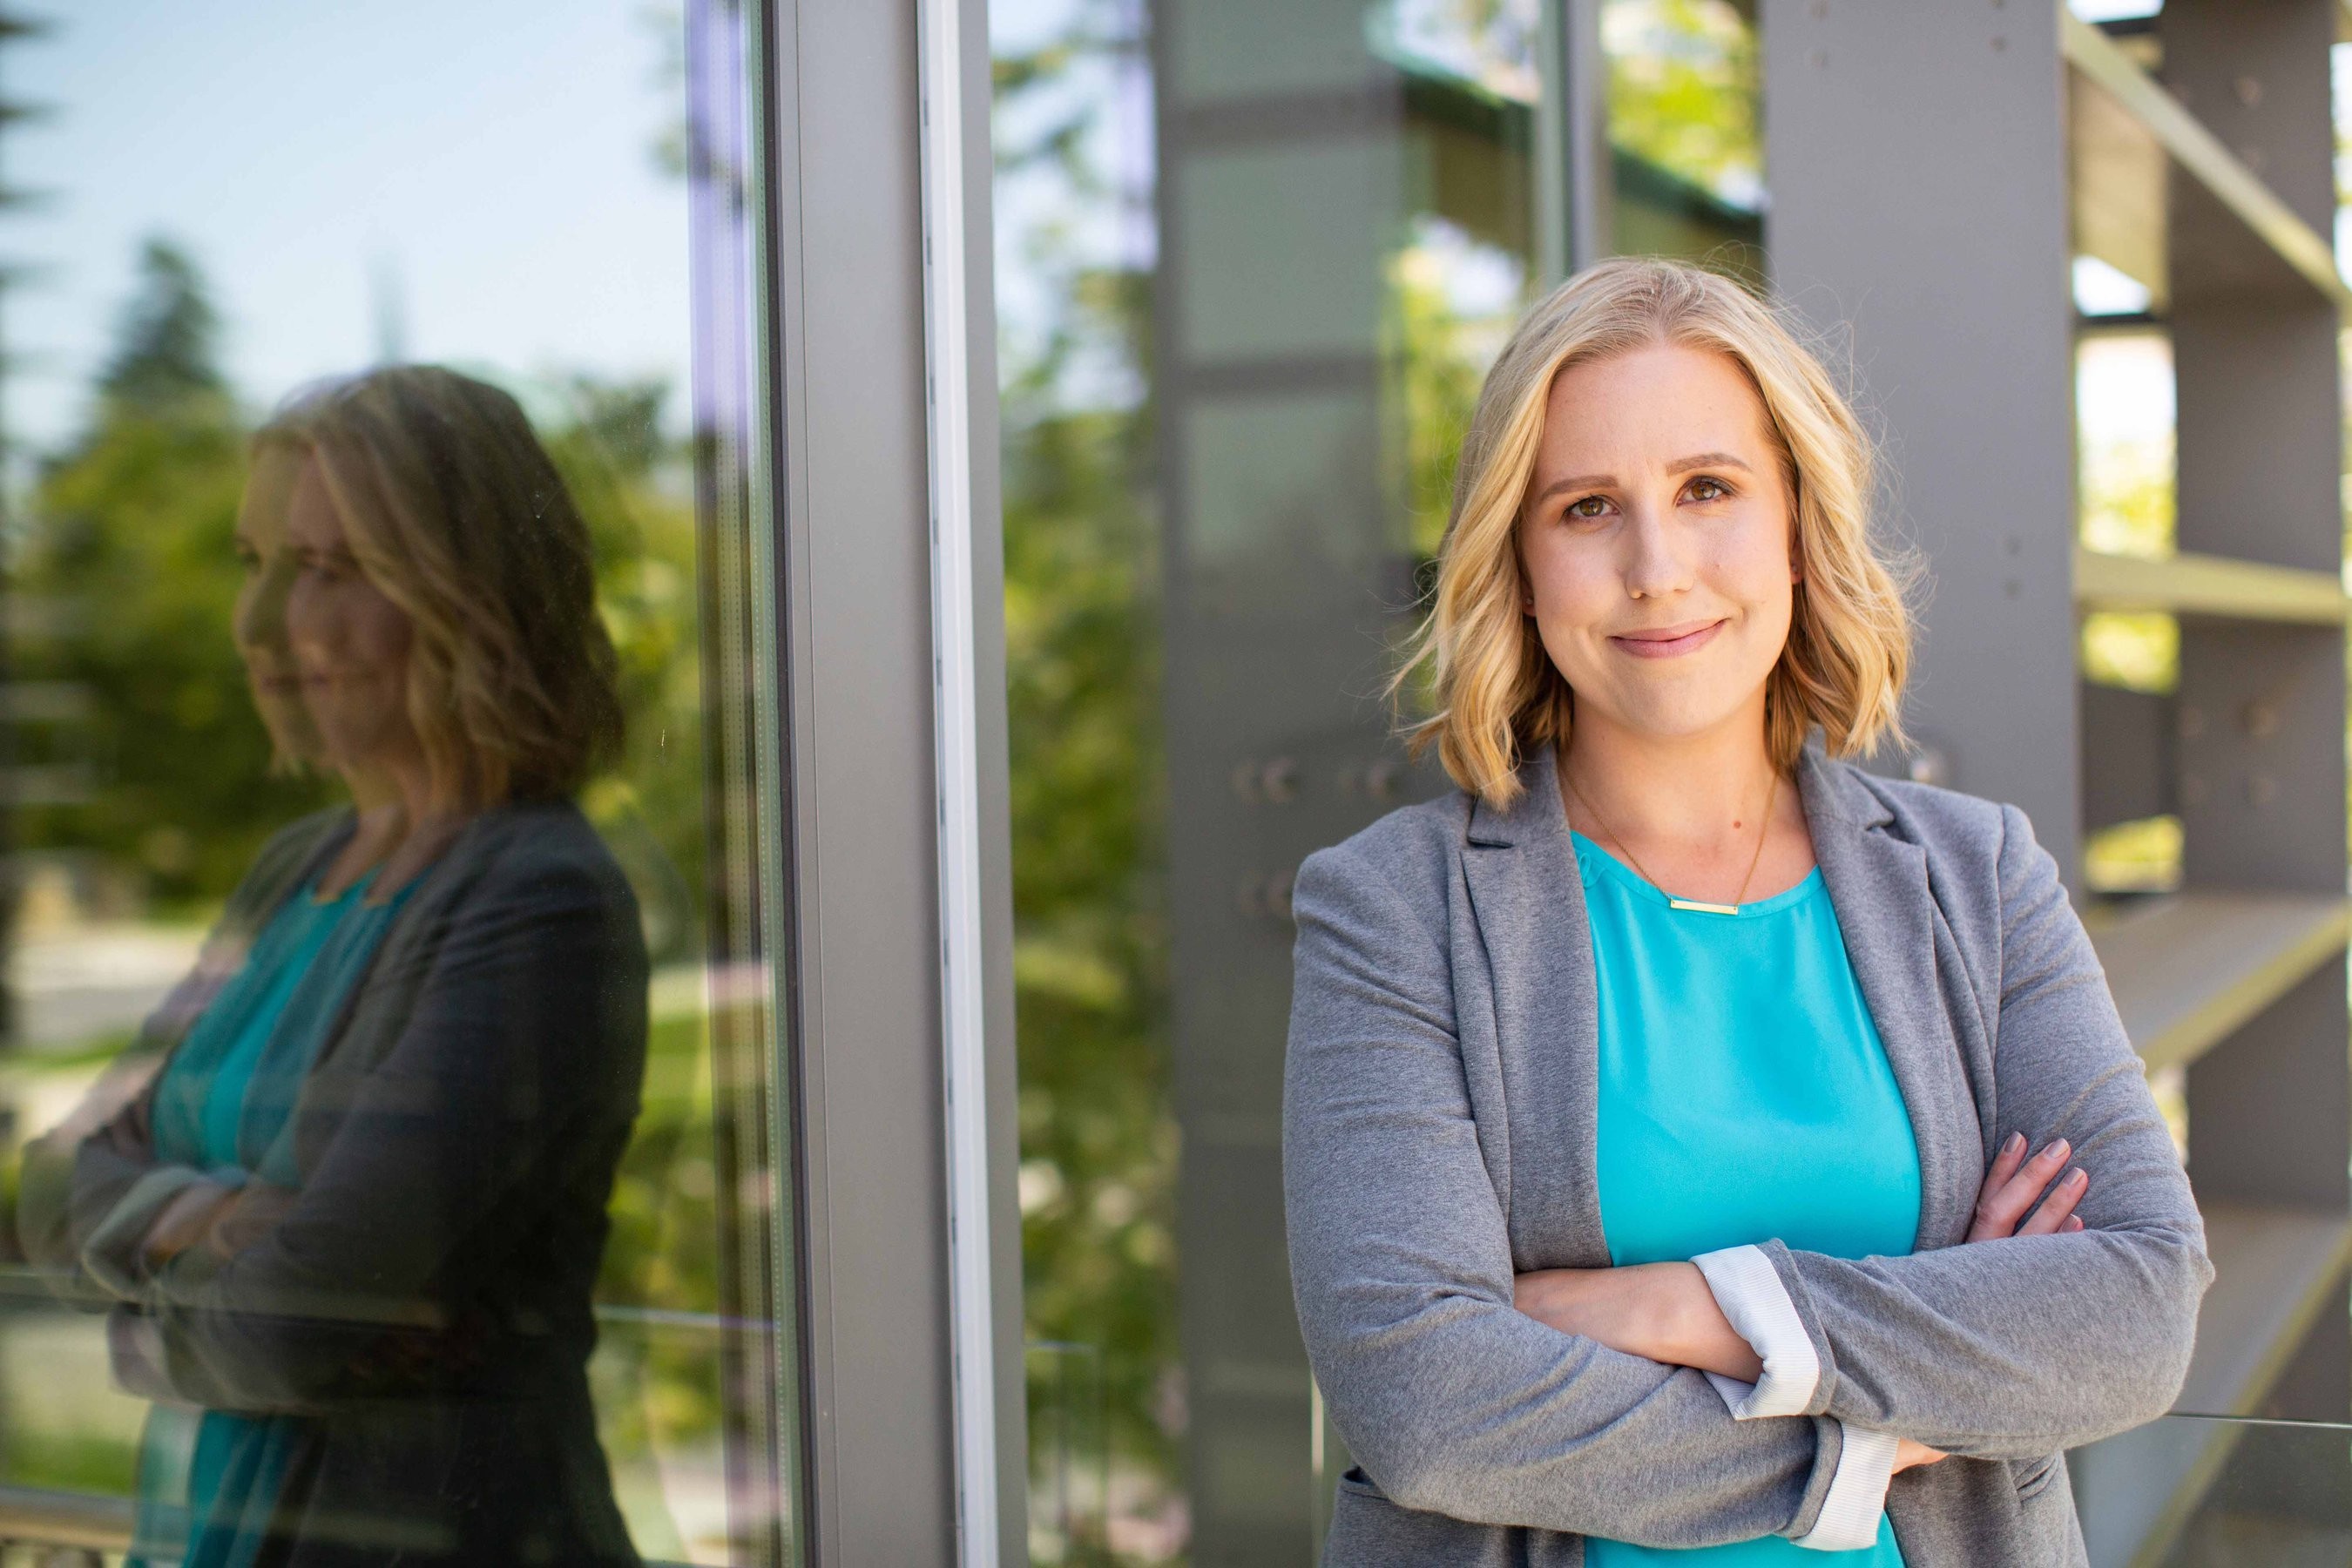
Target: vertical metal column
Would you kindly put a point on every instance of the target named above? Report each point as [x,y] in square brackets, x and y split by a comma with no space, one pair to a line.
[1916,158]
[1281,181]
[863,992]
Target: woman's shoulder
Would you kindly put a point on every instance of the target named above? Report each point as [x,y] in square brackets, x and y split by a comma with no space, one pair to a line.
[1934,816]
[535,851]
[1971,841]
[1407,853]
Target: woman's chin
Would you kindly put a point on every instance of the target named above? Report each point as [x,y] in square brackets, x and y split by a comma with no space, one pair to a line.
[291,734]
[1672,710]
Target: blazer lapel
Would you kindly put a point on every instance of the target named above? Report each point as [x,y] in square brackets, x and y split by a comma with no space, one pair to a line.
[1529,903]
[1885,911]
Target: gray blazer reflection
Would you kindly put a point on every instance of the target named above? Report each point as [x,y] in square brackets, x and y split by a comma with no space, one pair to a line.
[347,1232]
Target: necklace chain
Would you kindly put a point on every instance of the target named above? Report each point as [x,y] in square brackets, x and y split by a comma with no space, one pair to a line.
[1764,828]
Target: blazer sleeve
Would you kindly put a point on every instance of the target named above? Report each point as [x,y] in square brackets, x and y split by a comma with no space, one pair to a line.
[2011,1349]
[1451,1400]
[96,1174]
[520,1061]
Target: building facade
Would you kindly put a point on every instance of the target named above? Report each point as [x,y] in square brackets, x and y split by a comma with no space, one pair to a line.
[1006,444]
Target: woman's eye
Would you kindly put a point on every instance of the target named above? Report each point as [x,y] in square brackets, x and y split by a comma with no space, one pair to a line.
[1708,490]
[1590,506]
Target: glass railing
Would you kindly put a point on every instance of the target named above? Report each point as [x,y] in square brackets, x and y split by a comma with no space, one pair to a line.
[2191,1491]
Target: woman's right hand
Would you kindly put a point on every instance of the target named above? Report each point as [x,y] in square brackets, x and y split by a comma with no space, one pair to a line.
[1909,1452]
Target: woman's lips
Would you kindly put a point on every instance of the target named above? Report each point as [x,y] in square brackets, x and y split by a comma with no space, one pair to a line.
[1667,647]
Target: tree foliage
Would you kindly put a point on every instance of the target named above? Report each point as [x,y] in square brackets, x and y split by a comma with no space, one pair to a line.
[1083,666]
[126,560]
[126,563]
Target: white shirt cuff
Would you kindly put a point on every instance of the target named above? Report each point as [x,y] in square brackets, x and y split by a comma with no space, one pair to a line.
[1748,1291]
[1857,1496]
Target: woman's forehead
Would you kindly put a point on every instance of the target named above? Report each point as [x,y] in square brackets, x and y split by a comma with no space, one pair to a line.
[1663,402]
[311,515]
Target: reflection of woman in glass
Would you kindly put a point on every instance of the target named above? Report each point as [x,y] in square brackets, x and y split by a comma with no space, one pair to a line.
[352,1223]
[1681,1121]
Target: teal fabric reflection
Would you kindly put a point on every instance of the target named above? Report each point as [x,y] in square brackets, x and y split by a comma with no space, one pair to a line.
[1743,1095]
[209,1479]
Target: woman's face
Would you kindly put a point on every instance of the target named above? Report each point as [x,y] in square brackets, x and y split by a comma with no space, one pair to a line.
[350,642]
[1658,542]
[258,625]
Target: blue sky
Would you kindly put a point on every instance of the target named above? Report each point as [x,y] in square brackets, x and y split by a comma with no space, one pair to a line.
[491,167]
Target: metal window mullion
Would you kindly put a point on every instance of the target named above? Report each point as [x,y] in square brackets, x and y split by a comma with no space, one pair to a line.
[955,666]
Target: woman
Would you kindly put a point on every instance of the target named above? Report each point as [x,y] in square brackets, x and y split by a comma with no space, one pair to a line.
[1640,1094]
[352,1223]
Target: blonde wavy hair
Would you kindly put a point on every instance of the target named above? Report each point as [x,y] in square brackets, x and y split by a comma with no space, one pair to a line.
[1497,694]
[455,511]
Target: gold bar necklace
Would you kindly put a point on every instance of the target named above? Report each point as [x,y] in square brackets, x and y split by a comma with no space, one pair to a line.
[1673,902]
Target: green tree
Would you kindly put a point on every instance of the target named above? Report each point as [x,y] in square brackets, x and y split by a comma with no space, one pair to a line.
[1083,670]
[168,337]
[128,544]
[1684,94]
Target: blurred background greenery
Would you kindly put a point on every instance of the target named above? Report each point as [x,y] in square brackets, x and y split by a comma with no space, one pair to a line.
[156,793]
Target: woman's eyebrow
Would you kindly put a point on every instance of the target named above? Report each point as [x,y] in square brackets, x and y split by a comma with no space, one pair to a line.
[1679,466]
[1708,460]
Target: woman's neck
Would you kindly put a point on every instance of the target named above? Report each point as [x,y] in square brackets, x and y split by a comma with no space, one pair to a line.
[403,824]
[1690,792]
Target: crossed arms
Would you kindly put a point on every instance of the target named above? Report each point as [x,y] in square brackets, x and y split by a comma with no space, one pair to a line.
[1457,1394]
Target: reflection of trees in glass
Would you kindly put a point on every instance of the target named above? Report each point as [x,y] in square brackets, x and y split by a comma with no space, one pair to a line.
[1082,552]
[122,583]
[1081,549]
[1452,301]
[1490,42]
[126,554]
[1683,91]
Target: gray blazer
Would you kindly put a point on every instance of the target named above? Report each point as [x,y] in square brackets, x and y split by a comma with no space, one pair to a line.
[1438,1121]
[424,1310]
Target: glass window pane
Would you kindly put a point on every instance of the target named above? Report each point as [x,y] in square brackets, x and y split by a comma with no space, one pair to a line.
[1685,95]
[1253,262]
[384,1084]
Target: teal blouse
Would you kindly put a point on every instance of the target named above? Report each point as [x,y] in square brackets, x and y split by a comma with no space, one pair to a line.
[209,1479]
[1743,1095]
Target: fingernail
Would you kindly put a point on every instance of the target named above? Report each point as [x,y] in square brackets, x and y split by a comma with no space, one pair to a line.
[2079,1180]
[2016,1141]
[2057,1149]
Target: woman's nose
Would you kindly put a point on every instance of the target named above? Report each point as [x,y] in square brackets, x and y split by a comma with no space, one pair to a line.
[1654,566]
[261,610]
[304,617]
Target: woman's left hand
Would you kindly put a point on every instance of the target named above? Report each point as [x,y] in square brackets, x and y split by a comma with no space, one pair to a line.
[248,1217]
[1664,1312]
[185,1221]
[2014,1183]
